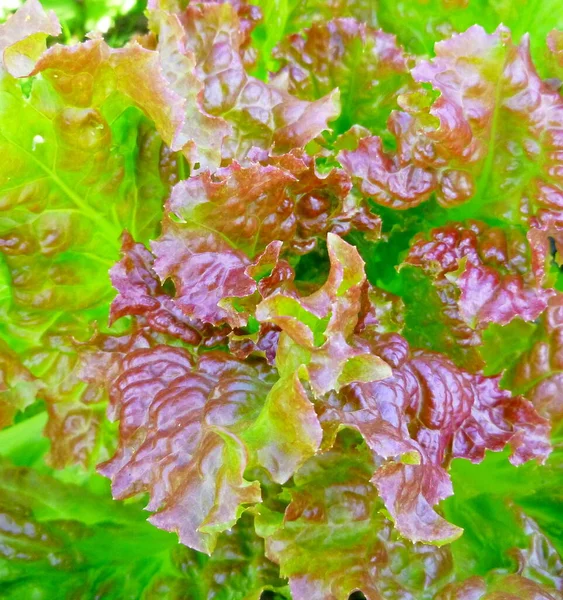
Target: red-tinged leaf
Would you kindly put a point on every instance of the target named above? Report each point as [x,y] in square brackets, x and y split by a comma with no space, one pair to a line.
[212,494]
[459,414]
[390,181]
[410,492]
[428,412]
[494,117]
[270,272]
[18,387]
[246,205]
[281,198]
[540,561]
[76,376]
[334,539]
[181,438]
[264,343]
[324,202]
[23,37]
[537,373]
[508,587]
[249,16]
[202,134]
[297,122]
[497,418]
[141,294]
[214,283]
[317,327]
[488,266]
[205,270]
[80,74]
[488,107]
[258,113]
[365,64]
[382,312]
[487,297]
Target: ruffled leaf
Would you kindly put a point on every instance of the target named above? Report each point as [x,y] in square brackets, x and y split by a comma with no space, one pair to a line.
[428,412]
[259,114]
[281,198]
[141,294]
[334,539]
[246,205]
[392,182]
[344,54]
[489,267]
[179,439]
[281,441]
[23,37]
[205,270]
[188,432]
[316,328]
[494,116]
[201,137]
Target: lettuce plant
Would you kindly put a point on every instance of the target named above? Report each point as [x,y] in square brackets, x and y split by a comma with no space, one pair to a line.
[288,276]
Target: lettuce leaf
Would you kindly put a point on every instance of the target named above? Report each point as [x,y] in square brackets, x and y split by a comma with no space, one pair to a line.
[255,113]
[341,53]
[61,538]
[84,164]
[490,112]
[334,538]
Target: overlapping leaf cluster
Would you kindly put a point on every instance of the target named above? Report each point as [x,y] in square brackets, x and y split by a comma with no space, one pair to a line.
[297,283]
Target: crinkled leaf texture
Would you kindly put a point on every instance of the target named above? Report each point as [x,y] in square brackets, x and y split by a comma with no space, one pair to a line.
[207,42]
[491,137]
[430,411]
[191,426]
[188,432]
[316,329]
[334,538]
[344,53]
[83,164]
[490,268]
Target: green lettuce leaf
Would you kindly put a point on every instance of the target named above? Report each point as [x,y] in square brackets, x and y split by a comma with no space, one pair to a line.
[60,539]
[84,164]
